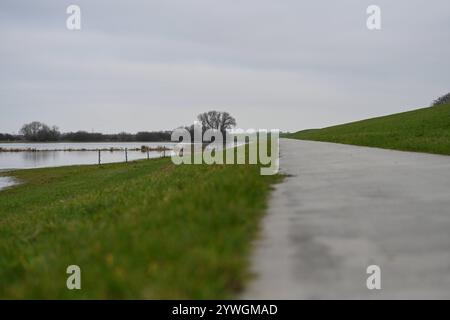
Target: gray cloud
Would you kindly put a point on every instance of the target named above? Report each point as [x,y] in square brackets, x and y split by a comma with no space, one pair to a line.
[145,65]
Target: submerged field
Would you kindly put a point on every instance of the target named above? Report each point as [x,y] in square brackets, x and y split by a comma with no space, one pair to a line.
[145,229]
[423,130]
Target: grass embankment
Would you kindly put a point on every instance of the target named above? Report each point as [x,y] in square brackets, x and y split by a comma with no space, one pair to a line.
[423,130]
[146,229]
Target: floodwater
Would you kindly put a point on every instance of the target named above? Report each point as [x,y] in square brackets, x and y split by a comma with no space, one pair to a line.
[6,182]
[40,159]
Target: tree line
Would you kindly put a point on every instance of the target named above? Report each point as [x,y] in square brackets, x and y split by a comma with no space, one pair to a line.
[40,132]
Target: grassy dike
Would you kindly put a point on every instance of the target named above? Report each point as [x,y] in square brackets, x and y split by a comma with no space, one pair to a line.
[147,229]
[422,130]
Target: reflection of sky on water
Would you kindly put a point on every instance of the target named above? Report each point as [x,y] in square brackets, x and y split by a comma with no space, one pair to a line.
[36,158]
[6,182]
[84,145]
[25,160]
[39,159]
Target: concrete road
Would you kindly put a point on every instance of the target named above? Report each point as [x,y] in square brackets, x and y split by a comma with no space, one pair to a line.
[344,208]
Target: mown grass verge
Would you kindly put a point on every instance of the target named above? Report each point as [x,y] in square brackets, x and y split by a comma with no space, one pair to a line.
[422,130]
[146,229]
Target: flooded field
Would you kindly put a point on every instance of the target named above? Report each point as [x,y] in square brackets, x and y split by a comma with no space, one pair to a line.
[6,182]
[45,157]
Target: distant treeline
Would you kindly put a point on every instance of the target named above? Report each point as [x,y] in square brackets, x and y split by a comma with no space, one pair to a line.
[40,132]
[83,136]
[10,137]
[44,134]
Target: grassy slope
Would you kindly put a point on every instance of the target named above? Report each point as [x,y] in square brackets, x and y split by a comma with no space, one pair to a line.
[146,229]
[424,130]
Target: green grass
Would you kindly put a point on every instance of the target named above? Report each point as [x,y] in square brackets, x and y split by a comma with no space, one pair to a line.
[422,130]
[146,229]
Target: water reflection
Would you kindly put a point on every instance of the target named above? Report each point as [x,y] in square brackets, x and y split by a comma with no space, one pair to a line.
[39,159]
[83,145]
[6,182]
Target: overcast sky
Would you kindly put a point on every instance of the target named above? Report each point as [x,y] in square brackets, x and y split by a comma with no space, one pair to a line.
[150,65]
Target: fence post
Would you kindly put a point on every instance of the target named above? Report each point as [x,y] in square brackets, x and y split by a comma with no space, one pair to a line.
[126,154]
[148,155]
[164,152]
[99,157]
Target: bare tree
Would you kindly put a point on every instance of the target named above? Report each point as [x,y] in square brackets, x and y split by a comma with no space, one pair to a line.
[38,131]
[442,100]
[216,120]
[31,130]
